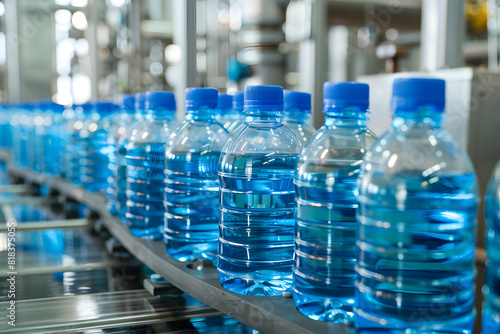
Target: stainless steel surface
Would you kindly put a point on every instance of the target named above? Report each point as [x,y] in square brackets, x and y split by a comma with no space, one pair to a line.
[100,311]
[12,52]
[185,37]
[493,35]
[200,280]
[259,39]
[313,65]
[47,225]
[442,34]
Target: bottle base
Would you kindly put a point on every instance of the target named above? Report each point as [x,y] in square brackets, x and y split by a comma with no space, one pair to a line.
[152,233]
[372,324]
[258,283]
[335,310]
[190,251]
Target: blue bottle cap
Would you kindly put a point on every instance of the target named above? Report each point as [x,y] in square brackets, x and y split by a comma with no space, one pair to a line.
[408,94]
[297,100]
[201,97]
[264,97]
[140,101]
[340,95]
[103,108]
[238,101]
[225,101]
[86,107]
[128,101]
[56,107]
[160,100]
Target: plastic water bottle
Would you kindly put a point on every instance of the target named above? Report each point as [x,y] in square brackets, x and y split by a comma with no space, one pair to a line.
[23,136]
[120,174]
[74,125]
[118,129]
[54,138]
[48,137]
[41,110]
[6,111]
[238,115]
[325,230]
[491,288]
[257,198]
[297,113]
[94,148]
[145,159]
[192,184]
[417,216]
[230,118]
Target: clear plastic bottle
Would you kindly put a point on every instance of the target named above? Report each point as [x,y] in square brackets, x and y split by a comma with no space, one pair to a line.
[75,118]
[23,136]
[237,115]
[225,109]
[54,138]
[120,174]
[41,110]
[491,288]
[6,111]
[325,230]
[417,216]
[192,184]
[118,129]
[257,198]
[94,148]
[145,159]
[297,113]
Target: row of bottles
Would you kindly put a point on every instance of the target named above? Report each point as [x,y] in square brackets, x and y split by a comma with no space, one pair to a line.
[375,232]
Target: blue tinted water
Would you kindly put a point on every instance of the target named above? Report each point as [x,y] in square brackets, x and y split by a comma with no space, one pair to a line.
[5,127]
[120,176]
[40,131]
[192,204]
[23,139]
[325,247]
[257,220]
[120,172]
[491,288]
[145,165]
[117,131]
[53,145]
[416,255]
[94,160]
[71,152]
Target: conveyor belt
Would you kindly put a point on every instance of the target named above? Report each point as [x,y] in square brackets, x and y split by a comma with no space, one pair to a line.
[68,282]
[267,314]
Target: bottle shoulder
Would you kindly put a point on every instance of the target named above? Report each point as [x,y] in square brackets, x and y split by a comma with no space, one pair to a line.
[257,140]
[419,149]
[330,144]
[196,136]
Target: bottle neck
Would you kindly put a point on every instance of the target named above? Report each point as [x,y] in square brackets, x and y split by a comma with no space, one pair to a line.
[297,115]
[426,115]
[201,115]
[264,117]
[346,118]
[160,115]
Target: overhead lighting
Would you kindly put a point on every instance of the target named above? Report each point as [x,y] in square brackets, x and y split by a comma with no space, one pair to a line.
[79,20]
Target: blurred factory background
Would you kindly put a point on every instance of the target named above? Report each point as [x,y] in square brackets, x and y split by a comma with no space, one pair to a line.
[75,51]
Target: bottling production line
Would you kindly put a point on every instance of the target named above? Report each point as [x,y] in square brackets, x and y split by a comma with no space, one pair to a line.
[88,273]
